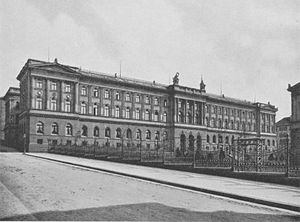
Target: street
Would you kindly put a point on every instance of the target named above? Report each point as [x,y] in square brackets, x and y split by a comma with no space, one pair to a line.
[37,189]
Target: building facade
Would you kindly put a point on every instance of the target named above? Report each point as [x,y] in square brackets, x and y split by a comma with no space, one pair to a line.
[283,132]
[2,119]
[295,123]
[65,104]
[12,108]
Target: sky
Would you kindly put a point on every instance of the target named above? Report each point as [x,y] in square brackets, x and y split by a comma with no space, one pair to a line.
[244,49]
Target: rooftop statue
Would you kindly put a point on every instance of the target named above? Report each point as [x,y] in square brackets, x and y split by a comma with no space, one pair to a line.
[176,79]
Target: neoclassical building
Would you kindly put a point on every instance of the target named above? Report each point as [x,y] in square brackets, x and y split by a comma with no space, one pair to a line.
[66,104]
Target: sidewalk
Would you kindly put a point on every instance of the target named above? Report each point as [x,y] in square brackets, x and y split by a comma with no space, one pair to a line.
[258,192]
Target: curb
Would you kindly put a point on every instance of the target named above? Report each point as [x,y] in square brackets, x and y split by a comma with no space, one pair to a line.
[214,192]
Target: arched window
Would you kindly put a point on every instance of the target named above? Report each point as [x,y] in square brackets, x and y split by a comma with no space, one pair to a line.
[269,143]
[226,124]
[129,134]
[273,142]
[232,140]
[84,131]
[238,125]
[191,142]
[190,119]
[138,134]
[155,101]
[165,117]
[214,139]
[180,117]
[207,139]
[220,139]
[137,113]
[69,131]
[118,133]
[182,142]
[207,121]
[219,123]
[199,142]
[147,115]
[40,128]
[231,124]
[54,127]
[83,108]
[213,122]
[165,103]
[53,104]
[227,139]
[117,114]
[67,106]
[148,135]
[249,126]
[107,132]
[156,137]
[96,131]
[106,110]
[127,113]
[165,135]
[95,109]
[156,115]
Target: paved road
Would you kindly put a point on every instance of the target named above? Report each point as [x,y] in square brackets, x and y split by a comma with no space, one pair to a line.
[37,189]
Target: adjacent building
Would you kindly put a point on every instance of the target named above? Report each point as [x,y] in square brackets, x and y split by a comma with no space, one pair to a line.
[2,119]
[11,124]
[295,123]
[66,104]
[283,131]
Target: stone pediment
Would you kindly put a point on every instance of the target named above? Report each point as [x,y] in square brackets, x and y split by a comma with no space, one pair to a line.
[56,68]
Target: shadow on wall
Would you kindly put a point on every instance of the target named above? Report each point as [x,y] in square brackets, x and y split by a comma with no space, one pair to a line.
[148,212]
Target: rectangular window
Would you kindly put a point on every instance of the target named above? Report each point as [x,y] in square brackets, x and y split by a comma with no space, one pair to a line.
[68,106]
[96,93]
[38,104]
[39,141]
[53,86]
[39,84]
[127,97]
[137,99]
[53,105]
[117,96]
[83,91]
[106,94]
[68,88]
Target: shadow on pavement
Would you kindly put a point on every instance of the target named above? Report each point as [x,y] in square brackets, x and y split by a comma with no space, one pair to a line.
[8,149]
[148,212]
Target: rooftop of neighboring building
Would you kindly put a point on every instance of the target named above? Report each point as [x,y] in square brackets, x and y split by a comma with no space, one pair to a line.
[284,121]
[12,91]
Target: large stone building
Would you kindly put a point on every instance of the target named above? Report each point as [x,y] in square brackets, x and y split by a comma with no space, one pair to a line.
[65,104]
[11,101]
[283,131]
[295,123]
[2,119]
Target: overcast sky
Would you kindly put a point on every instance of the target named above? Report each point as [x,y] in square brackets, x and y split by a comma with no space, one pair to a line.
[250,49]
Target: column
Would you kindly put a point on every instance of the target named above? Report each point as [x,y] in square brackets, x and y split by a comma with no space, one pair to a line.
[61,93]
[76,98]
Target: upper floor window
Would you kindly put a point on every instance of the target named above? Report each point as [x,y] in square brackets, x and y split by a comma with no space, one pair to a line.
[155,101]
[138,134]
[148,135]
[106,94]
[107,132]
[39,104]
[68,106]
[95,109]
[165,117]
[96,92]
[156,116]
[127,97]
[165,103]
[127,113]
[106,110]
[40,128]
[118,133]
[84,131]
[53,104]
[117,112]
[137,114]
[147,100]
[137,98]
[96,131]
[54,128]
[83,91]
[39,84]
[147,115]
[117,97]
[67,88]
[220,110]
[53,86]
[83,108]
[69,129]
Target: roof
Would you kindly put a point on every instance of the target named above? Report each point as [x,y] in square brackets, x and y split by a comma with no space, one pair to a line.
[284,121]
[294,87]
[12,91]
